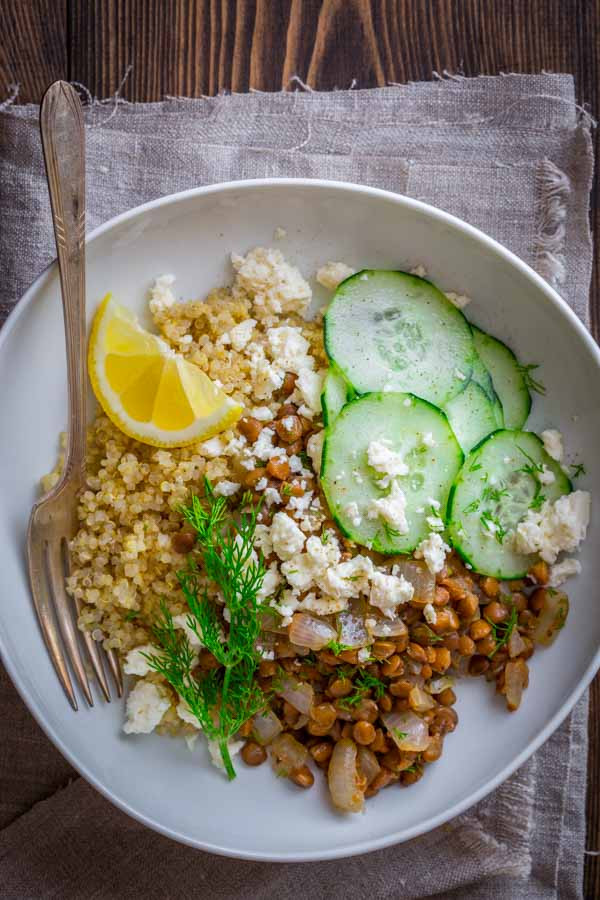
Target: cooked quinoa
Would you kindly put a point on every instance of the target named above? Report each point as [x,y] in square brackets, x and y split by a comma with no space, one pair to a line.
[420,617]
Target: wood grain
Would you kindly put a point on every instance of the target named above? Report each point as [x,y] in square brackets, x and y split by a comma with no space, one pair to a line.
[195,47]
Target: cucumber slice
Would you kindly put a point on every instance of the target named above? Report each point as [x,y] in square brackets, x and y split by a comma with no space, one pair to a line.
[335,395]
[472,416]
[408,426]
[391,331]
[491,495]
[507,376]
[483,378]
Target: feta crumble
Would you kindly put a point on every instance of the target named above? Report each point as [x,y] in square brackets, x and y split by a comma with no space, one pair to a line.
[353,513]
[389,591]
[215,751]
[240,335]
[386,462]
[430,614]
[392,509]
[333,273]
[546,476]
[563,570]
[314,448]
[287,538]
[553,443]
[135,661]
[458,300]
[557,526]
[428,439]
[145,707]
[226,488]
[433,550]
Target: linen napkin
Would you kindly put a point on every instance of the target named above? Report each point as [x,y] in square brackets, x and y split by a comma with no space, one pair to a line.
[511,155]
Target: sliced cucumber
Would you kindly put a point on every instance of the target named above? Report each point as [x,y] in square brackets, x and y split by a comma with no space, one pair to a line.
[483,378]
[391,331]
[472,416]
[507,376]
[336,393]
[495,488]
[408,426]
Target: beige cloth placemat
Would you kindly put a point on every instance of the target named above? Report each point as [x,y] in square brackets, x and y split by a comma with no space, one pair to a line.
[509,154]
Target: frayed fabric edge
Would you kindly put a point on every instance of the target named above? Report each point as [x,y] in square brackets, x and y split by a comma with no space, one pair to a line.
[553,189]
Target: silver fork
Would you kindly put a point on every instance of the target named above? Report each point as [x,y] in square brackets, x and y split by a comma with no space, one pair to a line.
[53,519]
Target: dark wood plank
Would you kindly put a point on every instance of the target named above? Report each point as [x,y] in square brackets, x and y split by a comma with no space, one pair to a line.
[33,46]
[195,47]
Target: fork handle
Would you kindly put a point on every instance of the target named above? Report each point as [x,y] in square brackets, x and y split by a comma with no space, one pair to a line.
[63,142]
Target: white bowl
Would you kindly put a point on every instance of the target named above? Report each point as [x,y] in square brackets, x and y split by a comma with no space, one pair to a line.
[157,780]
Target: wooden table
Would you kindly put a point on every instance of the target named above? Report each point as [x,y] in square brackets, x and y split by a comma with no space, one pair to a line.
[194,47]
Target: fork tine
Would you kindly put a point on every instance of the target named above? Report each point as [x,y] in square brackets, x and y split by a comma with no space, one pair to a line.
[115,668]
[64,614]
[90,644]
[43,606]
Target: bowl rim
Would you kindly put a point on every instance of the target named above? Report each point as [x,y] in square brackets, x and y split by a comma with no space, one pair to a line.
[508,257]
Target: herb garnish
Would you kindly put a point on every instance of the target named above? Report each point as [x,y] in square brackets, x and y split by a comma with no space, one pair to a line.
[131,615]
[336,647]
[578,470]
[221,699]
[364,683]
[493,525]
[530,382]
[502,630]
[400,735]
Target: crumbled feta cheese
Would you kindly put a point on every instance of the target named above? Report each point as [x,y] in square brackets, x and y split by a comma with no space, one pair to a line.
[261,484]
[546,476]
[420,271]
[363,654]
[557,526]
[272,496]
[392,509]
[135,661]
[266,377]
[145,707]
[212,447]
[430,614]
[553,443]
[563,570]
[458,300]
[428,439]
[215,751]
[279,233]
[290,349]
[506,460]
[295,463]
[386,462]
[433,550]
[353,513]
[347,579]
[263,447]
[433,503]
[323,605]
[389,591]
[333,273]
[460,375]
[271,582]
[226,488]
[357,476]
[407,402]
[186,715]
[299,506]
[181,621]
[314,448]
[287,538]
[249,463]
[435,523]
[161,295]
[241,334]
[274,285]
[310,386]
[262,539]
[262,413]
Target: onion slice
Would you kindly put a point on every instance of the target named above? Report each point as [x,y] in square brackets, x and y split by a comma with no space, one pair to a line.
[408,731]
[298,693]
[307,631]
[290,755]
[367,762]
[552,617]
[265,726]
[342,776]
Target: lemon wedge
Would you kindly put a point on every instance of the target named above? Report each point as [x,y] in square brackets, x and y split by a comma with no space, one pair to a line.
[150,392]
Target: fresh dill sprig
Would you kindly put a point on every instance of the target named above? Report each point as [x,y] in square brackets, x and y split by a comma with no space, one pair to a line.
[538,500]
[222,699]
[493,495]
[578,470]
[433,637]
[473,506]
[400,735]
[503,630]
[493,525]
[530,382]
[131,615]
[363,683]
[532,468]
[337,647]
